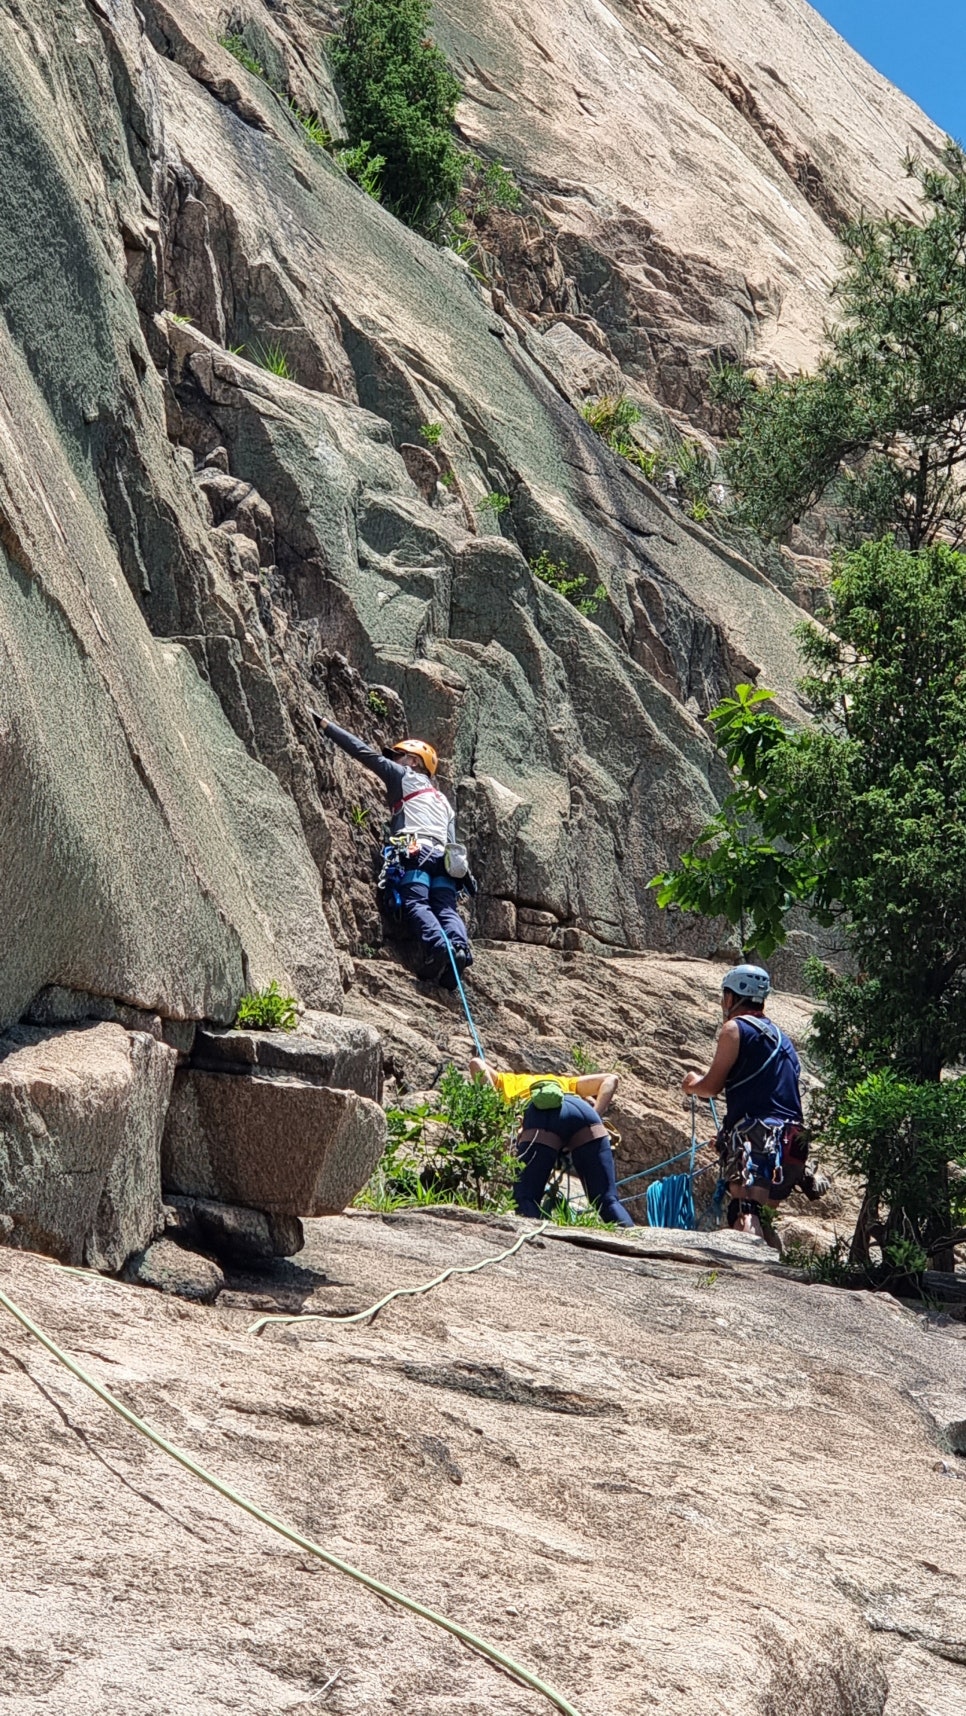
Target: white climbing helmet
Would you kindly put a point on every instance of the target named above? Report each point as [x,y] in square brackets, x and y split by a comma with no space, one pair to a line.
[748,981]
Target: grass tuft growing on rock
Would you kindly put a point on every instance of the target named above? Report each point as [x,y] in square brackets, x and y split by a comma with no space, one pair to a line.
[274,358]
[239,49]
[266,1010]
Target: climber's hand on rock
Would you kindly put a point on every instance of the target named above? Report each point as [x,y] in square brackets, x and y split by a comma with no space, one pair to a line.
[689,1082]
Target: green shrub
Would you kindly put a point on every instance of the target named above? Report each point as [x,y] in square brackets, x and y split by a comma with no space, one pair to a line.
[432,433]
[575,590]
[494,504]
[377,704]
[312,125]
[647,460]
[490,186]
[695,471]
[879,429]
[563,1214]
[609,415]
[829,1268]
[460,1151]
[238,47]
[399,97]
[274,358]
[582,1060]
[267,1010]
[364,168]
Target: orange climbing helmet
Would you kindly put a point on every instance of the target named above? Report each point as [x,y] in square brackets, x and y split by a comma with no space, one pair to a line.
[418,748]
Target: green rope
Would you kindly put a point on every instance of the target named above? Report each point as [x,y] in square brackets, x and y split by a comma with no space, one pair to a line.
[399,1292]
[480,1645]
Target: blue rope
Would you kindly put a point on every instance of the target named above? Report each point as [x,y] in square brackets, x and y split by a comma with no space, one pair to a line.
[644,1173]
[466,1006]
[670,1202]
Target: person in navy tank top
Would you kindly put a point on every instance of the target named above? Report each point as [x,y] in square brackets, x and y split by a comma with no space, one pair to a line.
[762,1142]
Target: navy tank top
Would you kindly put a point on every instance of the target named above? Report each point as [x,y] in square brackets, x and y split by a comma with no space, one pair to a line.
[763,1083]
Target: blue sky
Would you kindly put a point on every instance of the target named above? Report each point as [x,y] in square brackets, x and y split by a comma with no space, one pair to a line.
[921,47]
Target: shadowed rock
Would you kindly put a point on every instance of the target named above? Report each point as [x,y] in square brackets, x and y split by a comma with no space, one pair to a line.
[277,1143]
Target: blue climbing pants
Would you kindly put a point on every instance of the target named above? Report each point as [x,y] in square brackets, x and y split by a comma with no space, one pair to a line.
[428,910]
[594,1167]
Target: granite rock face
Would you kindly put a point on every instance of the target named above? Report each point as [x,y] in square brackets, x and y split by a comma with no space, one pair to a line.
[230,545]
[170,1268]
[81,1113]
[147,855]
[193,549]
[325,1048]
[689,164]
[284,1145]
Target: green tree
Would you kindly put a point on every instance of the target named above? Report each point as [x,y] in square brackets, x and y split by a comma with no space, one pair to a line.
[860,817]
[880,429]
[399,97]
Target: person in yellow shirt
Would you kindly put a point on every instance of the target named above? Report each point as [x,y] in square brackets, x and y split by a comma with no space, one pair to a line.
[596,1088]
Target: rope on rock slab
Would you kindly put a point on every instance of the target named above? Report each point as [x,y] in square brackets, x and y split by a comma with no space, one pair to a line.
[482,1647]
[401,1292]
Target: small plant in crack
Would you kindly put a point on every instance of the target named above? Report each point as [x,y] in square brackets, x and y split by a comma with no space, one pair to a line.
[377,704]
[432,433]
[493,506]
[267,1010]
[359,815]
[275,358]
[239,49]
[311,124]
[577,591]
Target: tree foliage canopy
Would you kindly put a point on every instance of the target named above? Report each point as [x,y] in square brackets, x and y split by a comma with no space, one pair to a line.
[861,818]
[881,427]
[399,97]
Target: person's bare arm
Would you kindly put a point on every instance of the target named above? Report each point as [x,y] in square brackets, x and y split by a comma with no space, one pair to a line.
[598,1088]
[712,1082]
[481,1072]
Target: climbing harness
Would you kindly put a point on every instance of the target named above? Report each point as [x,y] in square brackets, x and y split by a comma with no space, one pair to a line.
[485,1649]
[402,1292]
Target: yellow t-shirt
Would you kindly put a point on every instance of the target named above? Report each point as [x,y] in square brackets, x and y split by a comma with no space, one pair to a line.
[512,1085]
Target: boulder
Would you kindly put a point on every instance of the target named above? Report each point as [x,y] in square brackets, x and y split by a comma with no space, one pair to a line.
[289,1146]
[81,1115]
[239,1235]
[327,1049]
[171,1268]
